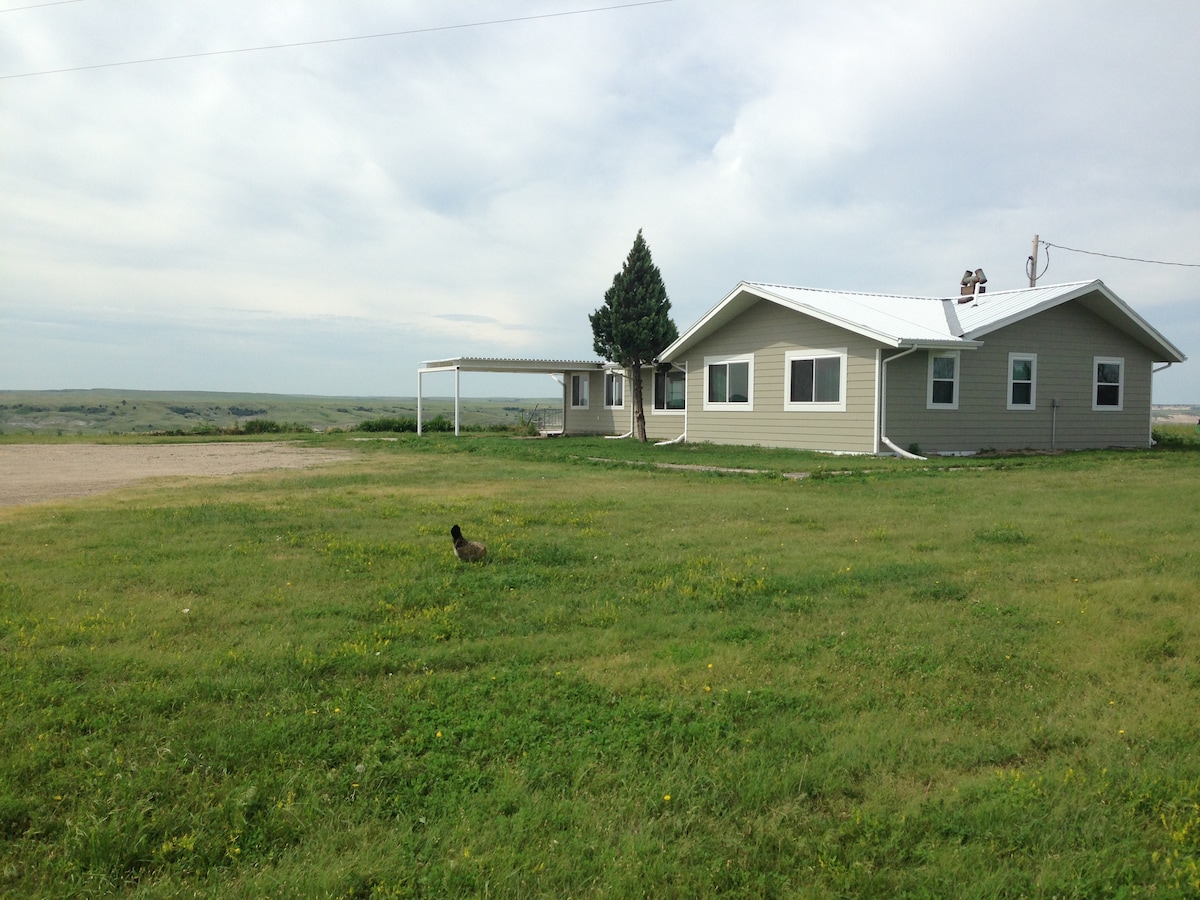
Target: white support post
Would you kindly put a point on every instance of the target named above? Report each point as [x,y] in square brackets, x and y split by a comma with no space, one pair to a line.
[456,378]
[420,378]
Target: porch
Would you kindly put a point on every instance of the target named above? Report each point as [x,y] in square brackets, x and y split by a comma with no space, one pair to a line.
[550,419]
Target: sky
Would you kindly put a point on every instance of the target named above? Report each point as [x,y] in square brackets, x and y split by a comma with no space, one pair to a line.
[407,180]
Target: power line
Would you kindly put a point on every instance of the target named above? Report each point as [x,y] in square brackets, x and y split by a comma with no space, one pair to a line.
[360,37]
[39,5]
[1155,262]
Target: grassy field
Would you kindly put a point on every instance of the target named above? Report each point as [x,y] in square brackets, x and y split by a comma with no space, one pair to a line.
[106,412]
[967,678]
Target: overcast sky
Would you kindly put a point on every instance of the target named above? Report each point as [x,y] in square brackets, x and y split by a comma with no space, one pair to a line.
[317,219]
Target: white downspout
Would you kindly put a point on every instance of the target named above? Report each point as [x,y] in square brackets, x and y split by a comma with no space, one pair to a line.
[1154,372]
[629,433]
[883,408]
[683,437]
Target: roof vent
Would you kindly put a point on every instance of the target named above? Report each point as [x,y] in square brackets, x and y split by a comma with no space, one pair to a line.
[972,285]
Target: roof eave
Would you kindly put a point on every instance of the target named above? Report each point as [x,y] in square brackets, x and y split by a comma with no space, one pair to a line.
[954,344]
[709,321]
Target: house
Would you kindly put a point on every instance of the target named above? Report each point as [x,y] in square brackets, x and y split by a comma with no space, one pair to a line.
[1066,366]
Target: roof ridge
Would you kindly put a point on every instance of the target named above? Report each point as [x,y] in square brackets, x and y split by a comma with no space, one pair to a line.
[794,287]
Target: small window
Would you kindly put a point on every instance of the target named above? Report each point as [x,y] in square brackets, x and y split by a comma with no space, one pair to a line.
[1022,380]
[1109,390]
[670,390]
[579,391]
[943,380]
[816,380]
[728,383]
[614,390]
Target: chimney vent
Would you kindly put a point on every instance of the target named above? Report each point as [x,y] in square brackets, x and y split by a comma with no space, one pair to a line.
[972,285]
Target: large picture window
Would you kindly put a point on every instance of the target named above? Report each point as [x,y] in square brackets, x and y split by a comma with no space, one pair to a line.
[943,380]
[1022,380]
[1109,384]
[815,380]
[579,391]
[670,390]
[728,383]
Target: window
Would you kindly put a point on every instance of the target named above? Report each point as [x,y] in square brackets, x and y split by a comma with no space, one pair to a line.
[943,380]
[816,380]
[1109,384]
[579,391]
[670,390]
[728,383]
[614,390]
[1022,378]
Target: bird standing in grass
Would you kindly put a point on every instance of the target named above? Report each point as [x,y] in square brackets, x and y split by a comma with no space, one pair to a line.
[467,551]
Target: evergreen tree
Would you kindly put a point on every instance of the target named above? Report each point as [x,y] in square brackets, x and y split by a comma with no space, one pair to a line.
[634,325]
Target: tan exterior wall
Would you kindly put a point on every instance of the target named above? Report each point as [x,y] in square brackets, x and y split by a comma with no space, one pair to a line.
[766,332]
[596,418]
[661,425]
[1066,340]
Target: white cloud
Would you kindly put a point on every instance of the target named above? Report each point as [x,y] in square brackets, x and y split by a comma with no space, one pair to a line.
[473,190]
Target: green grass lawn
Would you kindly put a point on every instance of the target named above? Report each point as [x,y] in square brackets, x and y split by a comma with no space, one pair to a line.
[969,678]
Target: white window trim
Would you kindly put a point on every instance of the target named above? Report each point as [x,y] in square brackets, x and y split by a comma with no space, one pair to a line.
[1032,404]
[619,378]
[726,406]
[1096,362]
[655,410]
[585,378]
[942,354]
[813,406]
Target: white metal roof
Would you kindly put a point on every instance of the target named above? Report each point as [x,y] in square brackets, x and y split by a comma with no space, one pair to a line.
[521,366]
[901,321]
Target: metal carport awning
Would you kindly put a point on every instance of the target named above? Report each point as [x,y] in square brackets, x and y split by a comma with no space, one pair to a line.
[461,364]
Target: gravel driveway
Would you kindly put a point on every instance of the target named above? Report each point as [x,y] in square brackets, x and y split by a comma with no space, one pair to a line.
[34,473]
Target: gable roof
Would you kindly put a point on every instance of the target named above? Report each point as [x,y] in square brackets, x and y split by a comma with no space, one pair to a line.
[992,311]
[931,322]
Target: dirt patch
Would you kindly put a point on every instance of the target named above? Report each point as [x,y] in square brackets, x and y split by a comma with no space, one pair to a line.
[35,473]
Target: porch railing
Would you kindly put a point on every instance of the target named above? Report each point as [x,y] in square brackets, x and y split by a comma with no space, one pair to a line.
[549,419]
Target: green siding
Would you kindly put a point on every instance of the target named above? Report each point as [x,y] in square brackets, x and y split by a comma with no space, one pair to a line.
[1065,339]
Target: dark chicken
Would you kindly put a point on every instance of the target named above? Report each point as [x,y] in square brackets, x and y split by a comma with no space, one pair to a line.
[467,551]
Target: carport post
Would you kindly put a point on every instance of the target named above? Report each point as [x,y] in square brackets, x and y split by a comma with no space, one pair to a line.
[457,370]
[420,378]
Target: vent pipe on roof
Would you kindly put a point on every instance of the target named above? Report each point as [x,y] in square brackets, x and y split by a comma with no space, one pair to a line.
[972,285]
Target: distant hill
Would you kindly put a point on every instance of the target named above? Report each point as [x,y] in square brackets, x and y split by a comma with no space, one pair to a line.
[1174,414]
[104,411]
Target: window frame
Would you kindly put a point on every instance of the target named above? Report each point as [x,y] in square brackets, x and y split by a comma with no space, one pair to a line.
[1013,382]
[1097,362]
[584,379]
[672,373]
[792,356]
[956,381]
[614,389]
[727,405]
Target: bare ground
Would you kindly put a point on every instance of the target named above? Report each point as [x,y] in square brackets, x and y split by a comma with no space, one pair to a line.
[35,473]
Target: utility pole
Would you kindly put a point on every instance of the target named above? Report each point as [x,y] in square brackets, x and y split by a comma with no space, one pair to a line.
[1033,263]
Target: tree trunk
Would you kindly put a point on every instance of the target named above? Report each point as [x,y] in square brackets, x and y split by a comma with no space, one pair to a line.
[639,415]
